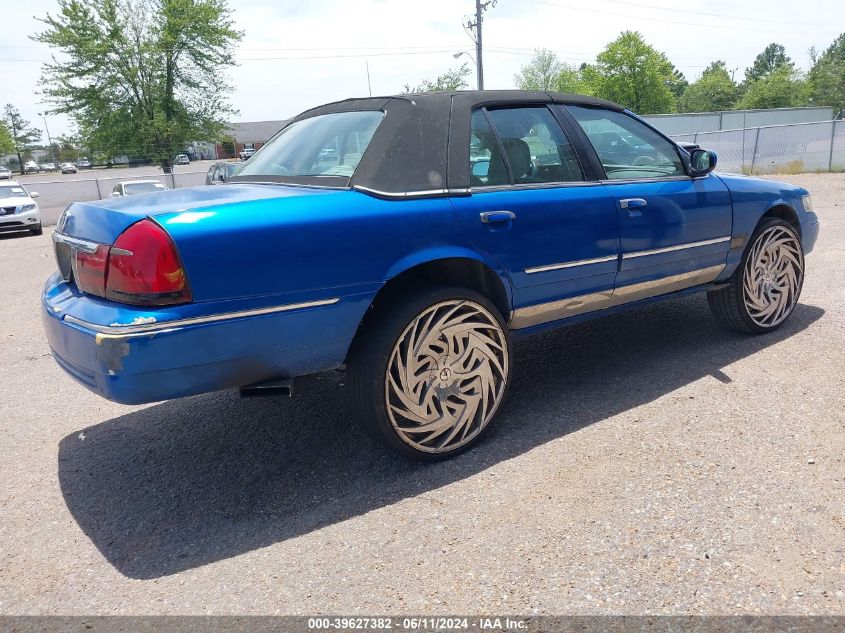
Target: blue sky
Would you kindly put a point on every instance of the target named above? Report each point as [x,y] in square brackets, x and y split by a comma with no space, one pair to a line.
[298,54]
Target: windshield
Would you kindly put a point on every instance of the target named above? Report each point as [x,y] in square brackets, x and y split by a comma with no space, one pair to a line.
[12,191]
[324,145]
[132,188]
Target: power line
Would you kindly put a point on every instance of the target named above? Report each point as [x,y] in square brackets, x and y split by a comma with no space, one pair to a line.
[665,21]
[714,15]
[295,57]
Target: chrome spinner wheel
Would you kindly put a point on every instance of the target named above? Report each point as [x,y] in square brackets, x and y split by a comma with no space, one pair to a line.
[446,376]
[773,275]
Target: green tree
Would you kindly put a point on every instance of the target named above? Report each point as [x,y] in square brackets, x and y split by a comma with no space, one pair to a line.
[541,73]
[571,79]
[452,79]
[22,133]
[771,59]
[677,83]
[141,76]
[634,74]
[67,148]
[7,144]
[782,88]
[714,90]
[826,80]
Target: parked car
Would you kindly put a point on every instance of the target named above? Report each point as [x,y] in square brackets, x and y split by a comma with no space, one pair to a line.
[135,187]
[18,209]
[68,168]
[246,153]
[220,172]
[401,264]
[84,163]
[182,159]
[31,167]
[5,174]
[47,167]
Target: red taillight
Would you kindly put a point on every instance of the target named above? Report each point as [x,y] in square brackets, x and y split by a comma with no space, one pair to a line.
[90,270]
[144,268]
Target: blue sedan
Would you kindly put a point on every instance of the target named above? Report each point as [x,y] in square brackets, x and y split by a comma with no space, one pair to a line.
[410,239]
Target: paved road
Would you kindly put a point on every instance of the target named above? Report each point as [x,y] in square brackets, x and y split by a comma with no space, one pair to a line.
[56,190]
[647,462]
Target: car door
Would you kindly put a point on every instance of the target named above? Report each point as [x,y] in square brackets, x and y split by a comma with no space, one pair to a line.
[675,231]
[533,210]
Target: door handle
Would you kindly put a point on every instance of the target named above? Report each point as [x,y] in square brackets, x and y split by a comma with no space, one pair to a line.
[489,217]
[633,203]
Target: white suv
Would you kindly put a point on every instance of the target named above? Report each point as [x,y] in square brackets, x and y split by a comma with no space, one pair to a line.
[18,209]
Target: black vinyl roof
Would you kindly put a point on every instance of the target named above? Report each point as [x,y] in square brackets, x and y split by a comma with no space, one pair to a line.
[411,150]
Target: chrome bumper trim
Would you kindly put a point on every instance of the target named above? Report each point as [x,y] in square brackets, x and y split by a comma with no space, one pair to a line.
[139,328]
[580,262]
[677,247]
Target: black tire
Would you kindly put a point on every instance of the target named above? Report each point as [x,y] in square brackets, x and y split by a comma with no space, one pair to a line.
[379,340]
[731,304]
[38,230]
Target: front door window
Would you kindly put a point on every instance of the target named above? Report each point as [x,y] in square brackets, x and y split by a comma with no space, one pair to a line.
[626,147]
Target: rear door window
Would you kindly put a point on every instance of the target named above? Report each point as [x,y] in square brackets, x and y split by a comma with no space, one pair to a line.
[536,148]
[484,151]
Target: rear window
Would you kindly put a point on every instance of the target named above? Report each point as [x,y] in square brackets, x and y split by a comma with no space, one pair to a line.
[324,146]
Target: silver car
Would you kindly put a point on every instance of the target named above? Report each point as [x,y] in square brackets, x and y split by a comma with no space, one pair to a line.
[5,174]
[134,187]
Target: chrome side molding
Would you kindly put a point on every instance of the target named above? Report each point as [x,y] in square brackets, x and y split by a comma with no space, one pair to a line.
[632,255]
[677,247]
[573,306]
[561,309]
[580,262]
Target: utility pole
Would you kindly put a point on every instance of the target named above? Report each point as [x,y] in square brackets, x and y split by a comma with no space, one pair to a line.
[475,27]
[50,141]
[369,85]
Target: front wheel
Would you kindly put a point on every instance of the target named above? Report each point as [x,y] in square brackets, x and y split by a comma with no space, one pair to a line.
[429,372]
[38,230]
[764,290]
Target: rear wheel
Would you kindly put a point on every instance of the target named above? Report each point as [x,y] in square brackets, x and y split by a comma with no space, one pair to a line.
[764,290]
[430,372]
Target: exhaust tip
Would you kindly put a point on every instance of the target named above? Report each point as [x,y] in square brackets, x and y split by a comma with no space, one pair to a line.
[278,387]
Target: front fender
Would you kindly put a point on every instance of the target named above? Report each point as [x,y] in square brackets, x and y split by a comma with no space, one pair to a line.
[752,198]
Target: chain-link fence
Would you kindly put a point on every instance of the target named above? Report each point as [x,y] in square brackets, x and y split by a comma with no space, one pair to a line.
[777,149]
[57,192]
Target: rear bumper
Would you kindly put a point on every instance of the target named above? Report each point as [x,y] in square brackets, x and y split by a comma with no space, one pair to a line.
[149,360]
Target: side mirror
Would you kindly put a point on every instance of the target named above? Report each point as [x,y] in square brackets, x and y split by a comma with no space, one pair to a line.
[115,194]
[702,162]
[33,194]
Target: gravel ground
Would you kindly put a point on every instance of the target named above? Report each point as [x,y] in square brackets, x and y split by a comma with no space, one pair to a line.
[649,462]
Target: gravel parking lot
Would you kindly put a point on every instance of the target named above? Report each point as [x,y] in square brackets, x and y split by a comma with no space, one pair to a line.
[648,462]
